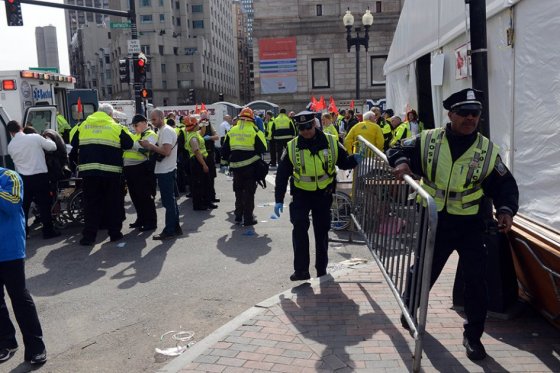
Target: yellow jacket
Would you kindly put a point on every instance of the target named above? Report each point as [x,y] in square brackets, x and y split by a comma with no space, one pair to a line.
[369,130]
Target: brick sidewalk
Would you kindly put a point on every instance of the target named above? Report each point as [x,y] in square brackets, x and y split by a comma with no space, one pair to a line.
[351,324]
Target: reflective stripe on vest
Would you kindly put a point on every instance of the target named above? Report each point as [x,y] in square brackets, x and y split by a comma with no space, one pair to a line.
[282,125]
[100,167]
[100,129]
[245,162]
[201,146]
[455,186]
[137,154]
[313,172]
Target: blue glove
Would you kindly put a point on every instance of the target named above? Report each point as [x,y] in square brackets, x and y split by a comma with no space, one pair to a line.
[358,157]
[206,137]
[278,208]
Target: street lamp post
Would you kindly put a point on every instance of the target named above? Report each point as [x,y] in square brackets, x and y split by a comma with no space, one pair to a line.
[367,21]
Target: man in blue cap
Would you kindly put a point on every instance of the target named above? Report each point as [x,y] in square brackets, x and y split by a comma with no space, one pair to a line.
[309,162]
[459,167]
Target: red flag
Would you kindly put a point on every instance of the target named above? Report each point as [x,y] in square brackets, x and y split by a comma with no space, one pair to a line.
[322,104]
[79,105]
[196,109]
[313,105]
[332,106]
[352,105]
[202,107]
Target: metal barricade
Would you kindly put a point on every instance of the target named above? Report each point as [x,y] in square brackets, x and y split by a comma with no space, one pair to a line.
[398,220]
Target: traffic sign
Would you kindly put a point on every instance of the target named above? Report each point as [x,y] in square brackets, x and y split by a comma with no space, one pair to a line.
[47,69]
[134,46]
[121,25]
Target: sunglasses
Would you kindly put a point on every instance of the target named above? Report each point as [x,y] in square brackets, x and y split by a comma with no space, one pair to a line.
[466,112]
[306,126]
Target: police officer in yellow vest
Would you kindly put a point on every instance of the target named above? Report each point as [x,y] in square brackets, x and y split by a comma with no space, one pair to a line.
[310,164]
[99,142]
[63,127]
[243,147]
[459,167]
[140,177]
[199,169]
[282,130]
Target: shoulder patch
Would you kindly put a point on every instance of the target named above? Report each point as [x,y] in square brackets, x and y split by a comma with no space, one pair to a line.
[409,142]
[500,167]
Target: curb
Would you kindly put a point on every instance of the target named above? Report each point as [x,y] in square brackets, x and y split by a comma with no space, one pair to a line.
[178,363]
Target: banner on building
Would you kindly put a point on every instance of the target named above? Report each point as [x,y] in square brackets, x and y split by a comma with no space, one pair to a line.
[463,62]
[278,65]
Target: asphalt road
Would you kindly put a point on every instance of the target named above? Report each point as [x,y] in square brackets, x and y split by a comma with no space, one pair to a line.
[104,308]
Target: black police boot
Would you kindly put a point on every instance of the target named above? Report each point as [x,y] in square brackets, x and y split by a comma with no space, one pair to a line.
[300,276]
[475,350]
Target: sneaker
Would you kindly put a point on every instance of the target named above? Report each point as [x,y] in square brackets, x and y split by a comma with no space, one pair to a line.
[40,358]
[7,353]
[475,350]
[250,223]
[300,276]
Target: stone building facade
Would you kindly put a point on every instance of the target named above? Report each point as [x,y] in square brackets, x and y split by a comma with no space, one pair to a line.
[323,66]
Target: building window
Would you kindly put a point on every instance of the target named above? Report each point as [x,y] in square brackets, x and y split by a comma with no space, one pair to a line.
[377,77]
[160,2]
[145,49]
[163,68]
[146,3]
[197,24]
[184,84]
[164,84]
[176,51]
[320,73]
[378,7]
[197,8]
[162,18]
[160,47]
[177,6]
[319,8]
[184,67]
[146,18]
[178,21]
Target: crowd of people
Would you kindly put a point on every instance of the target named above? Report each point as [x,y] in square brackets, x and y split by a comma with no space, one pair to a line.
[181,154]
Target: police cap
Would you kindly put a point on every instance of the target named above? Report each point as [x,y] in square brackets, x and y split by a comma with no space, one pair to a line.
[304,117]
[468,98]
[138,118]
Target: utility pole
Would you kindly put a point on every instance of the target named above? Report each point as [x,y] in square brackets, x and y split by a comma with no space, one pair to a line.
[134,35]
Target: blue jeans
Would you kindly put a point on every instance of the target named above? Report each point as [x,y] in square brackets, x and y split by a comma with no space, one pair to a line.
[166,184]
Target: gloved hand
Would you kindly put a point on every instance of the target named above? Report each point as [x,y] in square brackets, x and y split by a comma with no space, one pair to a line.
[358,157]
[278,208]
[206,137]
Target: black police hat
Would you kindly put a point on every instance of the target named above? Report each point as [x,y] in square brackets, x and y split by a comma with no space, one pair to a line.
[304,117]
[468,98]
[138,118]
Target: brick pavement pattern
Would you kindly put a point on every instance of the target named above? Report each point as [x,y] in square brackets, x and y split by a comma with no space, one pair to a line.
[351,324]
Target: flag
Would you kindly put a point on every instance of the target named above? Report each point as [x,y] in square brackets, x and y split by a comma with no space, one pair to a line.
[80,108]
[314,102]
[332,106]
[322,104]
[202,107]
[196,109]
[352,104]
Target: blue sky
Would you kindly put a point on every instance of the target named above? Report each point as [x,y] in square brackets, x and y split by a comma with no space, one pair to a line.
[18,43]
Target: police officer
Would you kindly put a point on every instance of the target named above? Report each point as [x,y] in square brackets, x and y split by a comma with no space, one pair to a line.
[243,147]
[63,127]
[100,143]
[309,163]
[459,167]
[282,130]
[139,175]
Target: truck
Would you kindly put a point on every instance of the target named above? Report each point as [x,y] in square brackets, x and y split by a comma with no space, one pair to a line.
[124,110]
[216,112]
[36,97]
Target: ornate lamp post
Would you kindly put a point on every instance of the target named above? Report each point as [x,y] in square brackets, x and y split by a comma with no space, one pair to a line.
[367,21]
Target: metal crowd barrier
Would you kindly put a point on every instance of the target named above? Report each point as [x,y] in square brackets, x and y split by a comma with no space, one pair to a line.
[398,220]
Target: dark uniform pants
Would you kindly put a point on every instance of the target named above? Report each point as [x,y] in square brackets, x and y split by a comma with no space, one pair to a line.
[468,240]
[200,182]
[272,150]
[37,188]
[319,203]
[141,181]
[244,186]
[279,147]
[12,277]
[103,195]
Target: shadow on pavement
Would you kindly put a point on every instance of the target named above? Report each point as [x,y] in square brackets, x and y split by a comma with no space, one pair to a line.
[244,248]
[335,321]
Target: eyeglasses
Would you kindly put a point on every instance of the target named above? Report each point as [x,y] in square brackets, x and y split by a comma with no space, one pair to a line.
[466,112]
[306,126]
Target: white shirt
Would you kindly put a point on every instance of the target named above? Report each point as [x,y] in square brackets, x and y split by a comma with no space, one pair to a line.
[28,153]
[167,135]
[223,129]
[414,128]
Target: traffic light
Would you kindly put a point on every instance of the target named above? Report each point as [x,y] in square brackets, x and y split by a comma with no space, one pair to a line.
[140,68]
[146,93]
[124,71]
[13,12]
[192,96]
[221,97]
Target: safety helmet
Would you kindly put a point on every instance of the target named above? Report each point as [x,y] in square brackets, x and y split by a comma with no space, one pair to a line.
[190,122]
[247,114]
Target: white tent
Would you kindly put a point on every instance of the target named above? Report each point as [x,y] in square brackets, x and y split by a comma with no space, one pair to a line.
[524,84]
